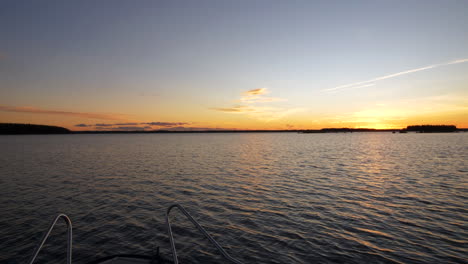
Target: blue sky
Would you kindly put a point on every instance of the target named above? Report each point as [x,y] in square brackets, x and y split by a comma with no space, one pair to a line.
[179,61]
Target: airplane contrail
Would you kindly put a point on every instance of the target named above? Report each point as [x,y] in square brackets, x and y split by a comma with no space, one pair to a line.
[368,82]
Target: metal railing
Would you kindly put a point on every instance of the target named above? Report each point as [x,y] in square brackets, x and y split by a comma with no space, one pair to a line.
[171,237]
[46,235]
[200,228]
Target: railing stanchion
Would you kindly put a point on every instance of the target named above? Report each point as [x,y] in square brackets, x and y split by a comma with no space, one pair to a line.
[200,228]
[46,235]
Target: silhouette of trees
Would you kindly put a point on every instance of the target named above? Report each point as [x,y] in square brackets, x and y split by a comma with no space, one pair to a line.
[432,128]
[21,129]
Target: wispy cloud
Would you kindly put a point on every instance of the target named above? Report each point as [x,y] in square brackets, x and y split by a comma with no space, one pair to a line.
[121,128]
[235,109]
[258,91]
[166,127]
[254,104]
[165,124]
[258,96]
[364,86]
[371,82]
[181,128]
[126,126]
[34,110]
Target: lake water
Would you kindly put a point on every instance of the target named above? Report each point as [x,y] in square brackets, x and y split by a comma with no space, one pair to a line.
[266,197]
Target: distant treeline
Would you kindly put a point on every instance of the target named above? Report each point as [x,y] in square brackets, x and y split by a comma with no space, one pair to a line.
[22,129]
[19,129]
[347,130]
[418,128]
[179,131]
[432,128]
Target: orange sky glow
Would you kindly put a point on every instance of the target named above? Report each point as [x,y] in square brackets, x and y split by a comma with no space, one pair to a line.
[304,65]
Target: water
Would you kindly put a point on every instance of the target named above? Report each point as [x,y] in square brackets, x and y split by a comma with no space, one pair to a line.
[267,198]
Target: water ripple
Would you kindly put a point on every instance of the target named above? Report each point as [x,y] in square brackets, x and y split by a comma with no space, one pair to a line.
[268,198]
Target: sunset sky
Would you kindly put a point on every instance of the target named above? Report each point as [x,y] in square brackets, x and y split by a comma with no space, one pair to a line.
[89,65]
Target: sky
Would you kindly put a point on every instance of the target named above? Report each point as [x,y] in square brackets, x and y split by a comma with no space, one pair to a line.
[128,65]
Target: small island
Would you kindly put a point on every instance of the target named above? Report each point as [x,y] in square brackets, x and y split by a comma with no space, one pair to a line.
[431,128]
[347,130]
[27,129]
[413,128]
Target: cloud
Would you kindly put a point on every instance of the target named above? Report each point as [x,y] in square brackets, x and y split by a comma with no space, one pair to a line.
[393,75]
[135,125]
[457,61]
[253,105]
[364,86]
[170,128]
[235,109]
[257,96]
[165,124]
[258,91]
[120,128]
[126,124]
[34,110]
[128,128]
[181,128]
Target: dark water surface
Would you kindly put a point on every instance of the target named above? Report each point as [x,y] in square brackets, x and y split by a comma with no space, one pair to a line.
[267,198]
